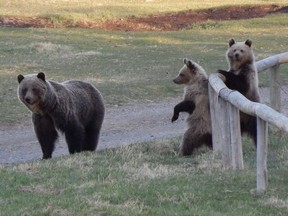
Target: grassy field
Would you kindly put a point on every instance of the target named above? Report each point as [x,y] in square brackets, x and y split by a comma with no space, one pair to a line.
[133,67]
[145,179]
[88,10]
[127,67]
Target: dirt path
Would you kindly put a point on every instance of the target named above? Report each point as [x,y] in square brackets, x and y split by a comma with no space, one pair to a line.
[122,126]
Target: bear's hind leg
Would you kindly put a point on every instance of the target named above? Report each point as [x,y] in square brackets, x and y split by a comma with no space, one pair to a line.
[74,135]
[190,141]
[46,134]
[92,135]
[207,139]
[250,128]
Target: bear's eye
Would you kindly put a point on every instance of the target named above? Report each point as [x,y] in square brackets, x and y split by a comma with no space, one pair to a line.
[241,50]
[35,90]
[24,91]
[234,50]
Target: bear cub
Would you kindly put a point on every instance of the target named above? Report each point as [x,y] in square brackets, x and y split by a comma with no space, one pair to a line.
[196,103]
[243,77]
[73,107]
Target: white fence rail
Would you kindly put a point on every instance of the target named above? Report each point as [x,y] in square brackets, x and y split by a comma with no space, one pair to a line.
[224,107]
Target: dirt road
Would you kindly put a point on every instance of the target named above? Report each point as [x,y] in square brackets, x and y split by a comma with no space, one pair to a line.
[122,126]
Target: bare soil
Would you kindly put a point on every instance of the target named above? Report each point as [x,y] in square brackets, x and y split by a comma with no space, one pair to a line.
[155,22]
[122,126]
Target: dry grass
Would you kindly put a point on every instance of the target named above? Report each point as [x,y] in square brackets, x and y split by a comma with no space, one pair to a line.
[103,9]
[276,202]
[144,179]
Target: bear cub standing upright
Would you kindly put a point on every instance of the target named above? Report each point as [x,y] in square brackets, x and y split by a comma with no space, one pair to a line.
[74,107]
[196,103]
[243,77]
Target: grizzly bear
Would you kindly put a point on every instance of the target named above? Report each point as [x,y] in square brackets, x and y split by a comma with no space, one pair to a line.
[196,103]
[243,77]
[73,107]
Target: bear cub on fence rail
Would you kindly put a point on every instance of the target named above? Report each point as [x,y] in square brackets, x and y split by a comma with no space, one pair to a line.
[196,103]
[243,77]
[74,107]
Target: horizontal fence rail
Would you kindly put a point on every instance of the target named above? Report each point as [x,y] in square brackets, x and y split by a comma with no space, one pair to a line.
[273,64]
[271,61]
[225,105]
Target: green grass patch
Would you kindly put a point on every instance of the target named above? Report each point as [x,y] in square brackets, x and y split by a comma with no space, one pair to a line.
[87,10]
[127,67]
[145,179]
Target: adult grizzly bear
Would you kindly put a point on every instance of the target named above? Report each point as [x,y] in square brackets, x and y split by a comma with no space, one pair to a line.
[74,107]
[196,103]
[243,77]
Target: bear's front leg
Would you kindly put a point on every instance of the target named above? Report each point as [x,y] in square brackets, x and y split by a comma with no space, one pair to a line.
[46,134]
[184,106]
[222,75]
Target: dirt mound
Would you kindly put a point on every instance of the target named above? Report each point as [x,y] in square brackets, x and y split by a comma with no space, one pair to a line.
[184,19]
[157,22]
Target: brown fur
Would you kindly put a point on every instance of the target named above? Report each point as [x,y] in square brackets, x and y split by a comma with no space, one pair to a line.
[74,107]
[199,132]
[241,60]
[243,77]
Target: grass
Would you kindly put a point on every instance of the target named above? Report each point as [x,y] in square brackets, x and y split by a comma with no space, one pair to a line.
[146,179]
[127,67]
[87,10]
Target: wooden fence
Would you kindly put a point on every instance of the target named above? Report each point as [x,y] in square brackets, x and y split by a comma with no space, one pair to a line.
[224,107]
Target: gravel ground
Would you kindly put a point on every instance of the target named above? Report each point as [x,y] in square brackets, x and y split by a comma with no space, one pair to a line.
[122,126]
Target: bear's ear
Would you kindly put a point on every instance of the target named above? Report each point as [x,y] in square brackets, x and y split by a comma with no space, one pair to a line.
[20,77]
[248,43]
[190,65]
[41,76]
[231,42]
[185,61]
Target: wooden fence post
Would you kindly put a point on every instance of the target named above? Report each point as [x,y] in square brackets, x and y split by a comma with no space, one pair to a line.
[235,136]
[275,94]
[216,135]
[224,129]
[262,150]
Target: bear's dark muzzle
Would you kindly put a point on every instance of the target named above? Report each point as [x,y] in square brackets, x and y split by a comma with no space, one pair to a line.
[28,101]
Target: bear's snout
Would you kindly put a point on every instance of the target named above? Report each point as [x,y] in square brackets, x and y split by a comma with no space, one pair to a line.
[237,56]
[28,100]
[177,81]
